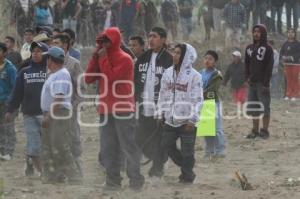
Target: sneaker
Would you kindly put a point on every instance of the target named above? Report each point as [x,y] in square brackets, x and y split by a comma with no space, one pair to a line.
[155,181]
[29,171]
[6,157]
[264,134]
[286,98]
[293,99]
[252,135]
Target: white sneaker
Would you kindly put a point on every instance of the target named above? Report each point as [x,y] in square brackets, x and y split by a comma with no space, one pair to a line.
[293,99]
[286,98]
[6,157]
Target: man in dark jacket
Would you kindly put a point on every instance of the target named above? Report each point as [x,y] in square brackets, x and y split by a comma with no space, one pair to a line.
[236,72]
[27,92]
[259,61]
[148,73]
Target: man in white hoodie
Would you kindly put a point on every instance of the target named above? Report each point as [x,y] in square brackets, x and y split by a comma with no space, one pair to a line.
[179,104]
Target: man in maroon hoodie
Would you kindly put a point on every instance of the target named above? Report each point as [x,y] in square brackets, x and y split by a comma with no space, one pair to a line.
[259,61]
[116,108]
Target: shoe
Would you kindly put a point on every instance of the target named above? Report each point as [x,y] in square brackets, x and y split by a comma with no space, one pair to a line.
[286,98]
[264,134]
[111,187]
[6,157]
[155,181]
[182,180]
[252,135]
[29,171]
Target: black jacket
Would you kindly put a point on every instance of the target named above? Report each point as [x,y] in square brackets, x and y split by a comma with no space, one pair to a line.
[259,60]
[235,72]
[292,51]
[28,89]
[163,61]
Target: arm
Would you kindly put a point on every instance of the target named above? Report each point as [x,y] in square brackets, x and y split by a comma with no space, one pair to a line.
[247,65]
[162,100]
[227,75]
[92,67]
[78,84]
[118,72]
[17,94]
[196,98]
[269,67]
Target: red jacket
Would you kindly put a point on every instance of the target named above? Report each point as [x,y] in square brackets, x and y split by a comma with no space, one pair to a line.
[116,65]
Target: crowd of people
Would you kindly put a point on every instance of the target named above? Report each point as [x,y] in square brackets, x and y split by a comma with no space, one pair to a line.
[150,95]
[137,17]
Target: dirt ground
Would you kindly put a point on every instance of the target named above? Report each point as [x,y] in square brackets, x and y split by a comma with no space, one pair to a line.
[272,166]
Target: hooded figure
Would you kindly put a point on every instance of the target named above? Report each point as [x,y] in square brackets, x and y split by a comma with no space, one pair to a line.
[115,65]
[116,108]
[181,95]
[179,103]
[259,58]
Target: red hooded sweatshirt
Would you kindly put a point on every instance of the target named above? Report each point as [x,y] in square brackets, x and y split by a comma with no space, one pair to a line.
[116,87]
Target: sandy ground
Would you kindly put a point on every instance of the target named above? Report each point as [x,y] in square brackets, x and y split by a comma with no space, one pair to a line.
[267,164]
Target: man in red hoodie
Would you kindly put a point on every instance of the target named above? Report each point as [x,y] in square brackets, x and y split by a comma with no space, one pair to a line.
[116,108]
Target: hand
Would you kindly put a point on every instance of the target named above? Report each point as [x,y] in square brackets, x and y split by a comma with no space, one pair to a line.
[99,52]
[45,122]
[189,127]
[8,117]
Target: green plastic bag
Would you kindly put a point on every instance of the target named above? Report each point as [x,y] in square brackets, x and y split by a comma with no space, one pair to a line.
[207,123]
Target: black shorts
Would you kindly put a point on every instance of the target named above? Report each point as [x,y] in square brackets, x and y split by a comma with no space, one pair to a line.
[258,101]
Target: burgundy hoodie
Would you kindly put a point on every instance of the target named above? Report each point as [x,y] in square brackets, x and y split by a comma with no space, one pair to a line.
[259,59]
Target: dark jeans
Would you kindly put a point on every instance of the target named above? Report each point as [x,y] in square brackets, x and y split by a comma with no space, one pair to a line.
[148,138]
[184,158]
[292,7]
[117,137]
[262,100]
[276,11]
[259,13]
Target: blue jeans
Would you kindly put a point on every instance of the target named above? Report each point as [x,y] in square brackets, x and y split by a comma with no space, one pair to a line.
[216,145]
[33,130]
[187,26]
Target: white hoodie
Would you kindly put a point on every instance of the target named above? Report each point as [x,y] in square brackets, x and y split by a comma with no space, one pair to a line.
[181,105]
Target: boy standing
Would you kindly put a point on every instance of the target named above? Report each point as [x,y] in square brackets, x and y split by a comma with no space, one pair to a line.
[212,78]
[179,104]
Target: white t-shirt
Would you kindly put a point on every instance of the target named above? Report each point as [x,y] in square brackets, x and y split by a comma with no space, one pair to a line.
[58,83]
[148,95]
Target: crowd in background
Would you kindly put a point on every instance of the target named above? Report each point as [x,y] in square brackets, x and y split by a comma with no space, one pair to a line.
[137,17]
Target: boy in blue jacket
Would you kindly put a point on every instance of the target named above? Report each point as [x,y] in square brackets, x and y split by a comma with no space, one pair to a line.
[7,81]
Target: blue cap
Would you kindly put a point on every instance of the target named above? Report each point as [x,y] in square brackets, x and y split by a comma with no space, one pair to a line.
[56,52]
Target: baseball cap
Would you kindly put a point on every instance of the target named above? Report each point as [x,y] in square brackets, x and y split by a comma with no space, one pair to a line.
[56,52]
[41,37]
[44,47]
[237,54]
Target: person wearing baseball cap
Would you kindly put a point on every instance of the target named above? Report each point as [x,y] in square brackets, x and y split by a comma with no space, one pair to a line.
[58,161]
[236,73]
[27,92]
